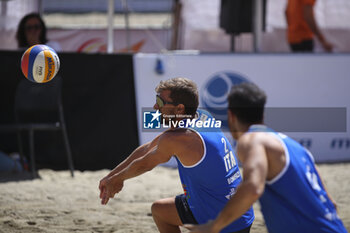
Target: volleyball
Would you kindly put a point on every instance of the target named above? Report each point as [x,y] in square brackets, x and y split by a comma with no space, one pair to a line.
[40,63]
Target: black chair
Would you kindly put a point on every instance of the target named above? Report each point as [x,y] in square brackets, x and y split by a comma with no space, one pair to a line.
[38,107]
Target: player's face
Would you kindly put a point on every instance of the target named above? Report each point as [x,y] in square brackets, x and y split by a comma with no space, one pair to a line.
[165,105]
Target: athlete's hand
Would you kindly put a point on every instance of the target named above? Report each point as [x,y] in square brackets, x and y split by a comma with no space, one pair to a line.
[102,184]
[204,228]
[109,186]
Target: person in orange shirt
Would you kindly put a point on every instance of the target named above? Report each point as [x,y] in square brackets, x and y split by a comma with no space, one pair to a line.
[302,27]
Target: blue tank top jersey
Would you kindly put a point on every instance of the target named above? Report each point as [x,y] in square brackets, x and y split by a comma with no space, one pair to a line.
[210,183]
[295,200]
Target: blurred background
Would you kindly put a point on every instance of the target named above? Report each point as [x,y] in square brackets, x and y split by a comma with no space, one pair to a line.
[156,25]
[114,52]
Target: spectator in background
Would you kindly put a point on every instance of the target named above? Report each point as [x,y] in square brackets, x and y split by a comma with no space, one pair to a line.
[302,27]
[31,31]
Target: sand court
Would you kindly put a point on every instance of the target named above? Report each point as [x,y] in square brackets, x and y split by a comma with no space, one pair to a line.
[59,203]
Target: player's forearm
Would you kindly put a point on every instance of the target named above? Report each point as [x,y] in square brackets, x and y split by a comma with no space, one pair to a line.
[137,153]
[135,168]
[247,193]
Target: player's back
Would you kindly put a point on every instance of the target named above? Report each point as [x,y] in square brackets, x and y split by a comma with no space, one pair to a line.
[295,200]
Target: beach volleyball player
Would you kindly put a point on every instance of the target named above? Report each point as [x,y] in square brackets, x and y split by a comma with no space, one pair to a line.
[206,162]
[277,170]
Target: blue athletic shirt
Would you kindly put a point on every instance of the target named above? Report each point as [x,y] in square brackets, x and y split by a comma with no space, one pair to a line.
[209,184]
[295,200]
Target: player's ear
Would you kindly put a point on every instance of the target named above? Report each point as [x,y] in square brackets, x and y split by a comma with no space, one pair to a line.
[230,116]
[180,109]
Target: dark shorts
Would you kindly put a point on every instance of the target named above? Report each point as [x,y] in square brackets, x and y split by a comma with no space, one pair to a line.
[186,216]
[183,209]
[304,46]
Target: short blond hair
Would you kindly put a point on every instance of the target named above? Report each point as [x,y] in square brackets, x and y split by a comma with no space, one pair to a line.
[182,91]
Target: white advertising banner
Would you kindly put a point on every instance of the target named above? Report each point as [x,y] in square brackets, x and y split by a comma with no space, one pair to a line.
[95,40]
[308,95]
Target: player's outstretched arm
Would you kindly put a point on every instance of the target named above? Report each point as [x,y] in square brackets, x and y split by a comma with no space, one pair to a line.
[254,161]
[157,155]
[137,153]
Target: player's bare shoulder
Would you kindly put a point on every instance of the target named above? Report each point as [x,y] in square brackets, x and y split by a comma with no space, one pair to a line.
[272,146]
[266,139]
[186,144]
[251,139]
[179,135]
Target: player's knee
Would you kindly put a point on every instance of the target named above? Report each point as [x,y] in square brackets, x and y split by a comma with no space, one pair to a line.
[156,208]
[160,208]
